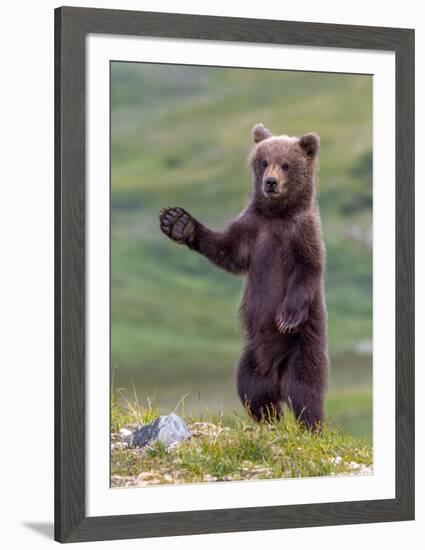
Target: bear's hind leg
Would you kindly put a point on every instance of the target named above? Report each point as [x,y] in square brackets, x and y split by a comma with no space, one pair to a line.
[305,387]
[258,393]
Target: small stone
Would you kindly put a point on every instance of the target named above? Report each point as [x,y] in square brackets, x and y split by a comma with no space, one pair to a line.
[204,428]
[209,477]
[125,434]
[167,429]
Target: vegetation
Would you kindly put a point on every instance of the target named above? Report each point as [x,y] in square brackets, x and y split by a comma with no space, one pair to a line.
[180,135]
[224,448]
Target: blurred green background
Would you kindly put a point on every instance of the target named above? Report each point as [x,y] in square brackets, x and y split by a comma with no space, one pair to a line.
[180,135]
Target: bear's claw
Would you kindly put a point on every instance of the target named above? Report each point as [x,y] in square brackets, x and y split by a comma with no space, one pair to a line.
[290,324]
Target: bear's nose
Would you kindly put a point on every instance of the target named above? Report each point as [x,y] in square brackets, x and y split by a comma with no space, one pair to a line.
[271,184]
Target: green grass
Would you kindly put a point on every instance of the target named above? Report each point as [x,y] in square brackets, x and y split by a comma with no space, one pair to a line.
[232,447]
[181,135]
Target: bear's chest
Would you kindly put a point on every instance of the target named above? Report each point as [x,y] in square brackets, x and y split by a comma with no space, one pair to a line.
[272,258]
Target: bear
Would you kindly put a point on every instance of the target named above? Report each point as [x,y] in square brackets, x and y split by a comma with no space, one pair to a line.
[276,242]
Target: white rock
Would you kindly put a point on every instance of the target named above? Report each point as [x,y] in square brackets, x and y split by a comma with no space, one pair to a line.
[125,434]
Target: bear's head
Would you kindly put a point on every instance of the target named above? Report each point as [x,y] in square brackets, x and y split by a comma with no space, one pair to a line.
[282,170]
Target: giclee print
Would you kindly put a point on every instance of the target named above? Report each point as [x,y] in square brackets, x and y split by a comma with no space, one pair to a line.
[241,274]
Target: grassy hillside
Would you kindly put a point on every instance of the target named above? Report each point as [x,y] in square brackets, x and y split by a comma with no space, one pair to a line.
[232,448]
[181,136]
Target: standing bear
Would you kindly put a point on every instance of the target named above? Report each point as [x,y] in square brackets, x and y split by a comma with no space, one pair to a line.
[276,242]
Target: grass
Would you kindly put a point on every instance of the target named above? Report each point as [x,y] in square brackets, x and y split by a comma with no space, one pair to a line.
[232,447]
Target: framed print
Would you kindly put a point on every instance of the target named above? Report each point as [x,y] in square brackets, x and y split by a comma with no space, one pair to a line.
[234,241]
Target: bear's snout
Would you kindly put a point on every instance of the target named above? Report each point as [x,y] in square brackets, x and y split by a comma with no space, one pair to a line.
[272,187]
[270,184]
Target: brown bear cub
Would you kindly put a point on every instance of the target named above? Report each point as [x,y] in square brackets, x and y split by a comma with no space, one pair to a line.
[276,241]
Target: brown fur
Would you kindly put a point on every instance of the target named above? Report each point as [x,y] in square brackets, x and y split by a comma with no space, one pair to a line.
[276,242]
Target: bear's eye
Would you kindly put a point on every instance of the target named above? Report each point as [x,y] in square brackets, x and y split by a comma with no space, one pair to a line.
[285,166]
[264,163]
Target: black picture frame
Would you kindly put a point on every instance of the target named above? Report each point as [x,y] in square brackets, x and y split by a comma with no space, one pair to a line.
[72,25]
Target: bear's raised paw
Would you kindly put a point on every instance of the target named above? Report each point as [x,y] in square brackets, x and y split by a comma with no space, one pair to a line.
[177,224]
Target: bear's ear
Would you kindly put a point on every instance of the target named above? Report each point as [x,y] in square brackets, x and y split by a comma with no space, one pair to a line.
[309,143]
[259,132]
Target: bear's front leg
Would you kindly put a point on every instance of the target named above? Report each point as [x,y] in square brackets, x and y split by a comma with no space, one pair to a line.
[228,250]
[293,313]
[177,224]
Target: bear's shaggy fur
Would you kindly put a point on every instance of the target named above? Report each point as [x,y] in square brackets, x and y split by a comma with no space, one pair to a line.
[276,241]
